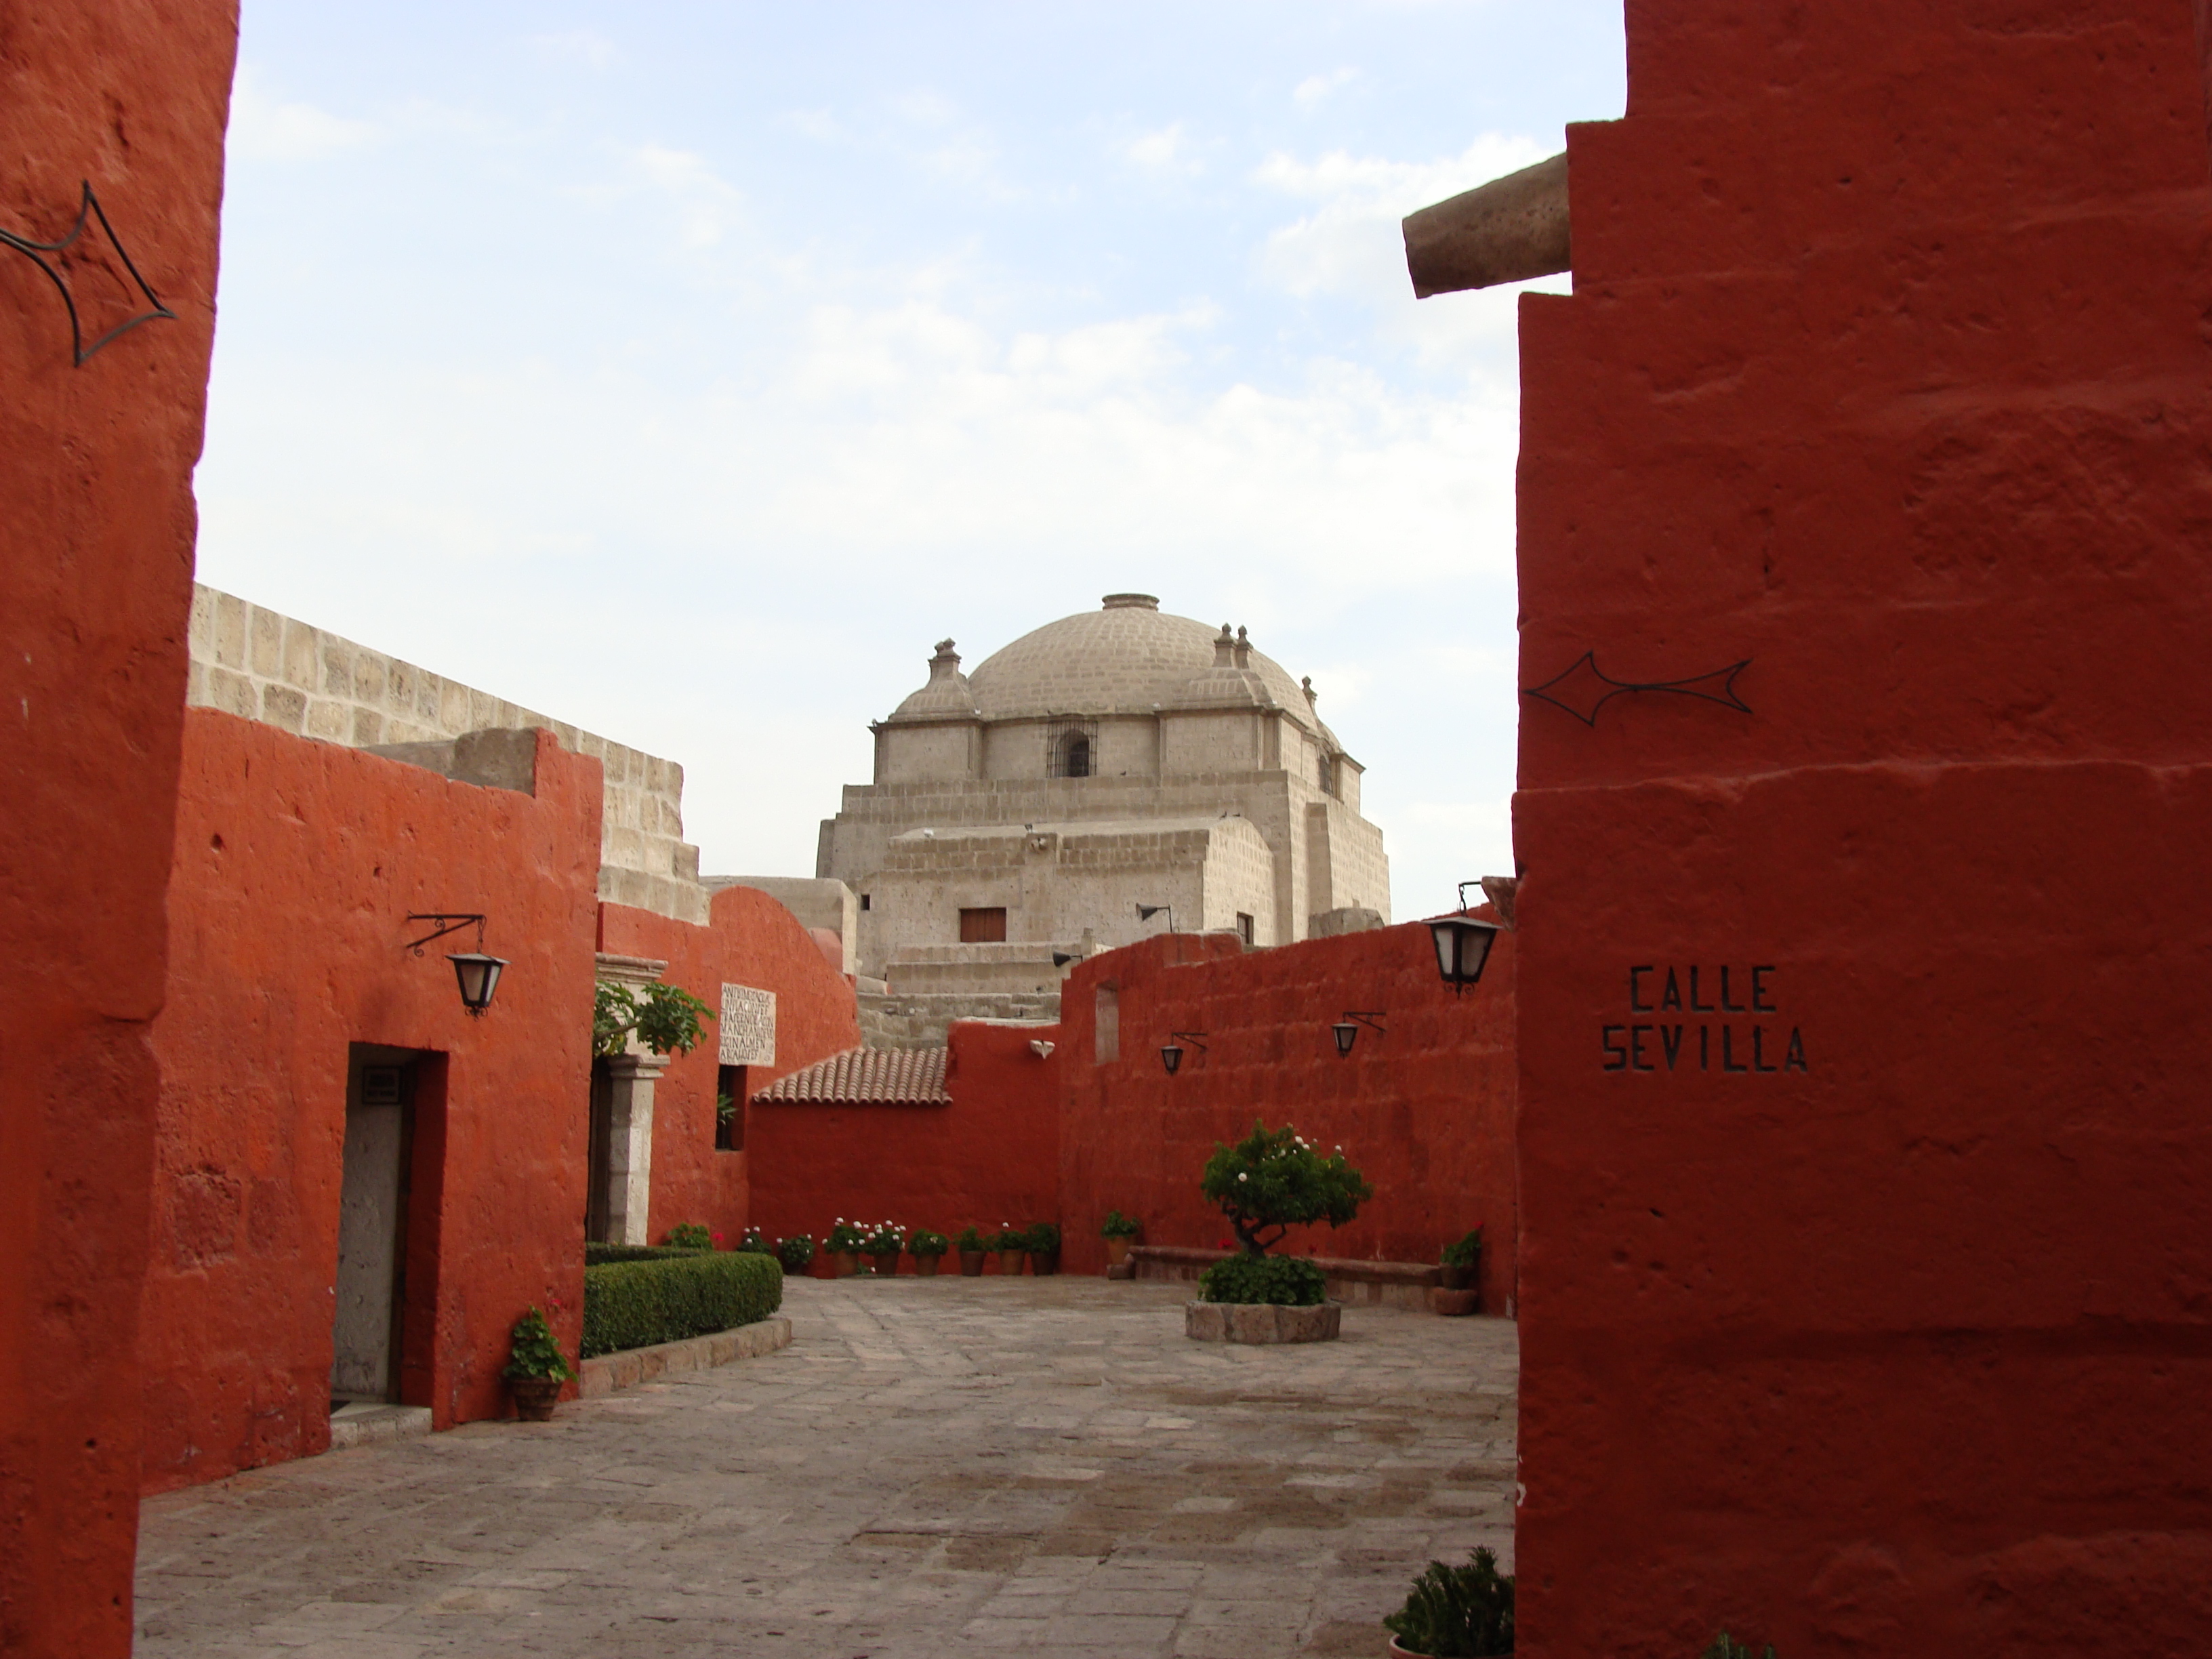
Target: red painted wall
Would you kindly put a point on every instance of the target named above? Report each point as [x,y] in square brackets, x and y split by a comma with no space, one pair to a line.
[990,1158]
[96,494]
[1425,1109]
[1887,369]
[751,940]
[296,865]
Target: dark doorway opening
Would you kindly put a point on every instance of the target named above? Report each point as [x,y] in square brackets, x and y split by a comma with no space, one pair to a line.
[598,1159]
[730,1118]
[389,1201]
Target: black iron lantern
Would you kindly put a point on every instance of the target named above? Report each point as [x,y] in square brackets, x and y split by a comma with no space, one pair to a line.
[479,977]
[1346,1030]
[1462,947]
[1171,1050]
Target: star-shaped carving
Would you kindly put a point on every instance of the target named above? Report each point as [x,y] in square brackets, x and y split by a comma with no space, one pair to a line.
[59,260]
[1585,689]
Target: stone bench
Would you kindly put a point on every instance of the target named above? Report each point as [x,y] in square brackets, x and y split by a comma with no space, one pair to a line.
[1356,1283]
[603,1374]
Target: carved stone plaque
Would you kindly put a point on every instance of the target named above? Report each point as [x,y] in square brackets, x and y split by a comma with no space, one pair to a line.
[748,1026]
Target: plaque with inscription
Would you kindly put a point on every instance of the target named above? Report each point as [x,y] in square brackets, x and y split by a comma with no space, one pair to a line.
[748,1026]
[1702,1017]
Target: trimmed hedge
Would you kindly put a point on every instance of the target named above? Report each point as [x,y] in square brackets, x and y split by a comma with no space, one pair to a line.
[1288,1281]
[598,1256]
[666,1296]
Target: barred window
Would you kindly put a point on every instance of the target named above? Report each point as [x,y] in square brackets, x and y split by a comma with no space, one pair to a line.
[1071,749]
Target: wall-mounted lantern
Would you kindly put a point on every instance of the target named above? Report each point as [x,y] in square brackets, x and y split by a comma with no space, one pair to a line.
[1462,945]
[1171,1050]
[1346,1032]
[478,973]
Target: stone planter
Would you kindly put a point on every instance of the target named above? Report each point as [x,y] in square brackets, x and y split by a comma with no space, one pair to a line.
[1009,1262]
[925,1267]
[887,1263]
[971,1263]
[1457,1279]
[534,1397]
[1117,1252]
[1261,1323]
[1455,1304]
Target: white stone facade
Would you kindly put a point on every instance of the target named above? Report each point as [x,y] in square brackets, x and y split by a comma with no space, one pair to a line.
[250,661]
[1118,758]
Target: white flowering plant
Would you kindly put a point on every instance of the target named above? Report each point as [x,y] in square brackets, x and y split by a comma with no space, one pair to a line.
[1273,1181]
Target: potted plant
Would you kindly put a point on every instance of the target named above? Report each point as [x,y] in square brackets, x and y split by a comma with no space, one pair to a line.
[1266,1184]
[535,1367]
[885,1243]
[1463,1262]
[1011,1243]
[1042,1240]
[1456,1613]
[844,1245]
[796,1252]
[972,1250]
[1119,1232]
[691,1235]
[1725,1647]
[754,1241]
[927,1249]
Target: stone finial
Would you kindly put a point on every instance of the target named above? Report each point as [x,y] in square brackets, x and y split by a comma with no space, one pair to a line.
[1312,696]
[1243,650]
[1225,648]
[946,663]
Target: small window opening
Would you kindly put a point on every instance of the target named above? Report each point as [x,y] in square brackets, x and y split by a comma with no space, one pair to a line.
[983,927]
[864,901]
[1072,749]
[730,1109]
[1244,929]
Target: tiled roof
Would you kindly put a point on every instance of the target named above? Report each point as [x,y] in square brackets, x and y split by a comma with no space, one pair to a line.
[875,1077]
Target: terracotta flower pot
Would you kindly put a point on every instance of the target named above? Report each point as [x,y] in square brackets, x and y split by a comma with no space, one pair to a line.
[1117,1251]
[1457,1279]
[925,1267]
[971,1263]
[1398,1647]
[1044,1262]
[886,1262]
[844,1263]
[534,1397]
[1009,1262]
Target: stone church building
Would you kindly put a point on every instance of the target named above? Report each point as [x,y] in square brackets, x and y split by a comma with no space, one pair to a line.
[1112,760]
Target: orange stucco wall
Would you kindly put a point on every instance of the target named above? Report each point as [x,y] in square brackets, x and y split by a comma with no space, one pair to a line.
[296,865]
[1887,368]
[990,1158]
[754,941]
[1424,1109]
[95,498]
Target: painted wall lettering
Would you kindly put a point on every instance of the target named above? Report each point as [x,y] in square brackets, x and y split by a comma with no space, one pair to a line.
[1747,1046]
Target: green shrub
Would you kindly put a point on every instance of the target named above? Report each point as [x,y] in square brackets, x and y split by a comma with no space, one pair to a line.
[971,1239]
[1041,1239]
[1723,1648]
[598,1256]
[534,1350]
[922,1242]
[1272,1179]
[1288,1281]
[1117,1225]
[691,1235]
[1466,1253]
[795,1252]
[755,1240]
[1458,1612]
[636,1304]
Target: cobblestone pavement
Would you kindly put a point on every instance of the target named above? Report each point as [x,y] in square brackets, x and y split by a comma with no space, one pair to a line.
[934,1468]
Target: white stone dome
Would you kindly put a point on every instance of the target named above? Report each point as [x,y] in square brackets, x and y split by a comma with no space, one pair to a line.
[1127,657]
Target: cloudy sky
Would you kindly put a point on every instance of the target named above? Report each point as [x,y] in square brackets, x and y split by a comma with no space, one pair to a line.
[685,370]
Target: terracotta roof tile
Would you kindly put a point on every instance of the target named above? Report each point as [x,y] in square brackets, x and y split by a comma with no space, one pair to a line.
[875,1077]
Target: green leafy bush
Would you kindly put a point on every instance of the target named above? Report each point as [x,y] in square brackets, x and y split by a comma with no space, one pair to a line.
[1458,1612]
[597,1255]
[1010,1238]
[534,1352]
[971,1239]
[795,1253]
[844,1236]
[755,1240]
[691,1236]
[885,1238]
[667,1019]
[1723,1648]
[1272,1179]
[1466,1253]
[1117,1225]
[1041,1239]
[636,1304]
[1288,1281]
[922,1242]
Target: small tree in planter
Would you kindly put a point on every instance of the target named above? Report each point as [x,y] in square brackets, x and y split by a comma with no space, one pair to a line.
[535,1367]
[1266,1184]
[1457,1613]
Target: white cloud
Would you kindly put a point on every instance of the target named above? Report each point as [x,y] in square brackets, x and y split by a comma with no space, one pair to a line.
[1165,150]
[709,206]
[585,47]
[1316,88]
[263,127]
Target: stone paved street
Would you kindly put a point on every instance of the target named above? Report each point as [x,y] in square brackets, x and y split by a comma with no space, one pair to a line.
[934,1468]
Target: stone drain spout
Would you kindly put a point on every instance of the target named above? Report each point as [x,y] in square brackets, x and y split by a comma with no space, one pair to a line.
[1506,231]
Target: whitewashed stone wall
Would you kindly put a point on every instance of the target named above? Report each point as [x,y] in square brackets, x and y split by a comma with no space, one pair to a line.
[254,663]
